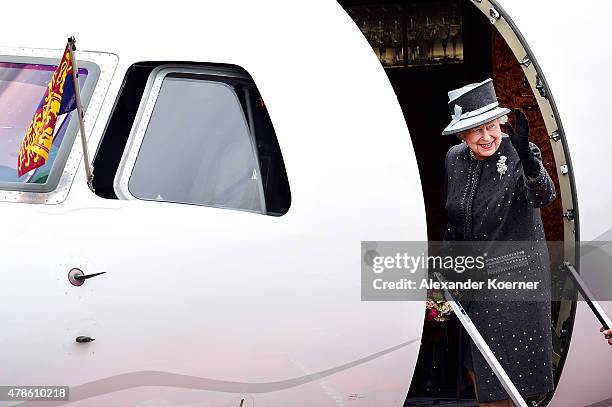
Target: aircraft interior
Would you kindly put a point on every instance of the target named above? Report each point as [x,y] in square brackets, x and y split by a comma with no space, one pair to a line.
[428,48]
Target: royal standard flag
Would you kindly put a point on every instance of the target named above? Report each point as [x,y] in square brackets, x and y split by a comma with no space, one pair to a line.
[59,98]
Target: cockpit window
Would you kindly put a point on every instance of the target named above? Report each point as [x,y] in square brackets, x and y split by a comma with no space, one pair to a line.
[21,89]
[197,148]
[198,134]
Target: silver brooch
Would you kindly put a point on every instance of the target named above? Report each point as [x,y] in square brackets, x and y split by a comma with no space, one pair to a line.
[501,166]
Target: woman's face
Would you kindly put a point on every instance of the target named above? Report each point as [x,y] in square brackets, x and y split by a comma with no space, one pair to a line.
[483,140]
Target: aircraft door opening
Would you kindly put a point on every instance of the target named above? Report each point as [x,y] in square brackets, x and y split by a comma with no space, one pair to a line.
[428,48]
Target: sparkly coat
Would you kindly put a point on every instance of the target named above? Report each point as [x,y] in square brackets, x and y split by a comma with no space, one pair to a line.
[483,205]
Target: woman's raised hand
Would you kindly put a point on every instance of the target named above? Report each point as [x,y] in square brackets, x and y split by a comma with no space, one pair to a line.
[520,141]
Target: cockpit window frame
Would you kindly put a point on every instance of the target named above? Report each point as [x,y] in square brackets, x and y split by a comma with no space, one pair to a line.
[100,67]
[141,121]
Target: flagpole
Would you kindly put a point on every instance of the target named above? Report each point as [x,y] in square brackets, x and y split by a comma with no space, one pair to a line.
[79,106]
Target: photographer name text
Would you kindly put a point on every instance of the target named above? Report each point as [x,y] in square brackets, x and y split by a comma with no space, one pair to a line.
[429,284]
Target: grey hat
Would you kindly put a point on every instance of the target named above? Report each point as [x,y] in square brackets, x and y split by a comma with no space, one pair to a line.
[472,106]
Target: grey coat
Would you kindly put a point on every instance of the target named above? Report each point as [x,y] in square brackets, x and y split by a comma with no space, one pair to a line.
[484,206]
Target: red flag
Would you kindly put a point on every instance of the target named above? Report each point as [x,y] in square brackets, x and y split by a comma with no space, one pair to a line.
[36,144]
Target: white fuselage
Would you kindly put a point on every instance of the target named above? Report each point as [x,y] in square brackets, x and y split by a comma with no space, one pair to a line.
[203,306]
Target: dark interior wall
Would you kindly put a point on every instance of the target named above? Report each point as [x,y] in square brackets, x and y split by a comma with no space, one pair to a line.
[423,95]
